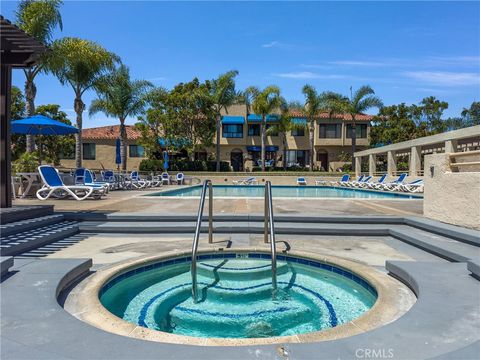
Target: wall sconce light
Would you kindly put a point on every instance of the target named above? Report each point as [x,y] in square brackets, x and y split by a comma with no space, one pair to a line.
[432,171]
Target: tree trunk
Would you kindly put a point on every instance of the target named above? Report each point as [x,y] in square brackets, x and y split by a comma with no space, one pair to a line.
[218,124]
[284,151]
[354,142]
[123,144]
[78,106]
[311,135]
[30,93]
[264,135]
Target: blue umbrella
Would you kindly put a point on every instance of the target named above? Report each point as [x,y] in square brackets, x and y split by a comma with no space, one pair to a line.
[41,125]
[165,160]
[118,157]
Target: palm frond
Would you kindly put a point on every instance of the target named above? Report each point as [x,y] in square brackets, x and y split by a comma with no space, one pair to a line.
[360,93]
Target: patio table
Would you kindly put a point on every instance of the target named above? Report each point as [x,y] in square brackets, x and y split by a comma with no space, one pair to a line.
[31,178]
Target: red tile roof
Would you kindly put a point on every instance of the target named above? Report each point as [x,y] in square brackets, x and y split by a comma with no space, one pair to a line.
[110,132]
[326,115]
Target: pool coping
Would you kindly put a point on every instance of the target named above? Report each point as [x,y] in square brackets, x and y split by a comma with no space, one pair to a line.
[83,302]
[395,195]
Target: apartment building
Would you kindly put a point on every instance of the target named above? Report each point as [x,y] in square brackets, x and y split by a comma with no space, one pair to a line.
[240,142]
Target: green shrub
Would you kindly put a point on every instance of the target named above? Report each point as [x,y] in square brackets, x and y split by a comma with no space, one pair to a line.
[151,165]
[27,162]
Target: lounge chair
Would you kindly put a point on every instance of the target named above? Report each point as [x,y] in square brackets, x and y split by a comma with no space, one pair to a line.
[180,178]
[361,183]
[415,186]
[301,181]
[247,181]
[165,178]
[156,181]
[137,182]
[53,185]
[391,185]
[344,179]
[83,176]
[375,184]
[351,183]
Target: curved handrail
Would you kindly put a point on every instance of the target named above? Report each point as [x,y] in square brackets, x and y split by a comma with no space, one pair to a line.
[193,269]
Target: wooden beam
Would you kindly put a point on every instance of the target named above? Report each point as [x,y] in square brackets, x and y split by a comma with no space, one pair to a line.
[5,151]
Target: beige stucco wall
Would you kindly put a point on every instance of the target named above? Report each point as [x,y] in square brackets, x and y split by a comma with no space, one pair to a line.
[451,197]
[104,156]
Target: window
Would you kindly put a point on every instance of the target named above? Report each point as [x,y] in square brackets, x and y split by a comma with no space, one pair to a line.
[136,151]
[253,129]
[297,158]
[361,130]
[330,131]
[232,131]
[275,133]
[88,151]
[298,132]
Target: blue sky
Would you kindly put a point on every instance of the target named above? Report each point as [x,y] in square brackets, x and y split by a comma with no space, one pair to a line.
[404,50]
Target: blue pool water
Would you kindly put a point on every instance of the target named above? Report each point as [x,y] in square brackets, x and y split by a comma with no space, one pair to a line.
[285,191]
[237,300]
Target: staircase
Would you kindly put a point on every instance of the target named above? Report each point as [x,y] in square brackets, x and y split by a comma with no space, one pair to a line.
[24,228]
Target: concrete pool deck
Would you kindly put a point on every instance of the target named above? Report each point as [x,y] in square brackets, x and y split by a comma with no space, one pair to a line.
[135,201]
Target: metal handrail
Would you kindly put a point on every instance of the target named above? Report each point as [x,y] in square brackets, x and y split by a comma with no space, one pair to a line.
[269,222]
[193,269]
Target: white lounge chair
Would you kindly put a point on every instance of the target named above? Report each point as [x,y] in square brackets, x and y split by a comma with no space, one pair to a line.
[180,178]
[359,184]
[351,183]
[138,182]
[53,185]
[373,185]
[301,181]
[391,185]
[165,178]
[83,176]
[344,178]
[247,181]
[415,186]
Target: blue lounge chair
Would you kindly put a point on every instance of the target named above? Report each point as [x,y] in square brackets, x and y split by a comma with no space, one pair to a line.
[54,186]
[84,177]
[137,182]
[390,186]
[361,183]
[165,178]
[247,181]
[301,181]
[415,186]
[380,181]
[344,178]
[351,183]
[180,178]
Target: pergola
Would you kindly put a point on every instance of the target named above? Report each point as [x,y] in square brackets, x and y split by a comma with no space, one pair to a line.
[447,142]
[17,50]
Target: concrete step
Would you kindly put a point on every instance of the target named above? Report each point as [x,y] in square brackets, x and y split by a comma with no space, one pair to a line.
[23,212]
[442,246]
[6,262]
[18,243]
[29,224]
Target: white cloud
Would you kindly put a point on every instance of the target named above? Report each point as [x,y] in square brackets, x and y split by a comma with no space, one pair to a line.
[358,63]
[307,75]
[272,44]
[444,78]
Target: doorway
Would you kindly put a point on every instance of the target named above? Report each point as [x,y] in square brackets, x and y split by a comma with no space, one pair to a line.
[236,160]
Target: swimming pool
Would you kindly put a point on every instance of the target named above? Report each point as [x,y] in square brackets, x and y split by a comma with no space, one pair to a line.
[279,191]
[236,296]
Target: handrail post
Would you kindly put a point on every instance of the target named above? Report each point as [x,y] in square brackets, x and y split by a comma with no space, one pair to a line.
[273,245]
[193,268]
[210,212]
[265,216]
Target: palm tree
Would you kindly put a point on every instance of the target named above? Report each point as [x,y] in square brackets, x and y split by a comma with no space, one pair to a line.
[79,63]
[283,126]
[313,105]
[222,91]
[263,103]
[360,101]
[38,19]
[120,97]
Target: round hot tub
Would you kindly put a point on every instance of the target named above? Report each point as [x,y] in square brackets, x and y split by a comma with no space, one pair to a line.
[316,298]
